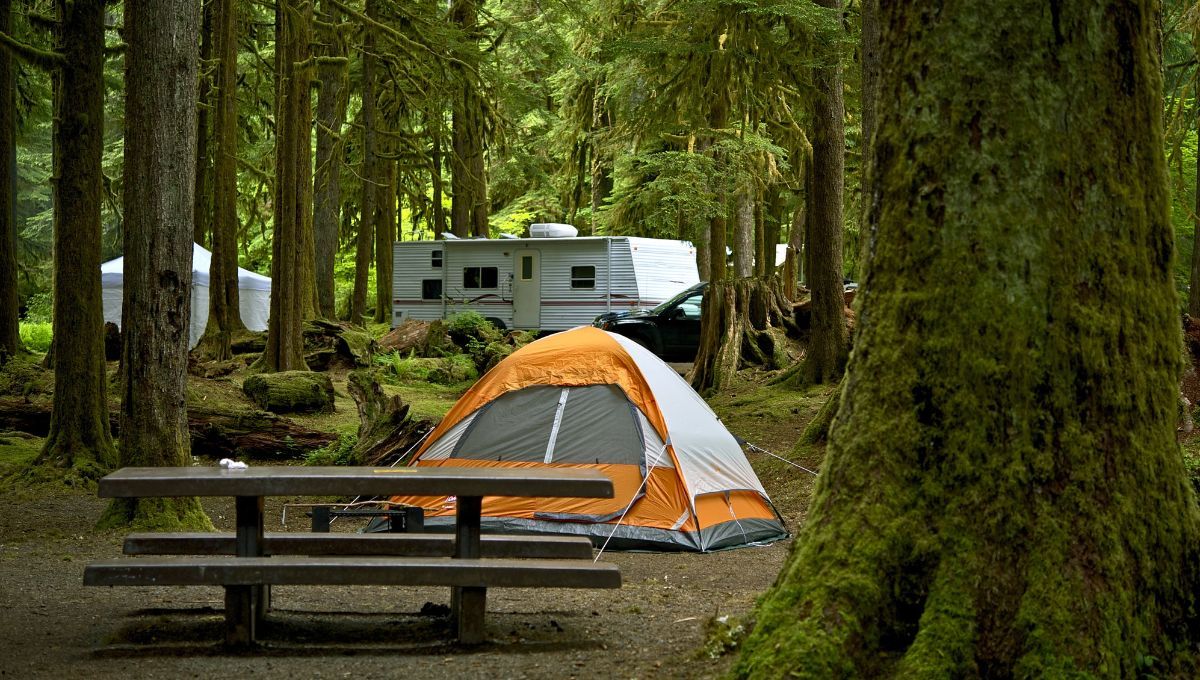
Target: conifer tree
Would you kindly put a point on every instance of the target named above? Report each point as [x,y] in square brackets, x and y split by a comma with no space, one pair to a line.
[1002,495]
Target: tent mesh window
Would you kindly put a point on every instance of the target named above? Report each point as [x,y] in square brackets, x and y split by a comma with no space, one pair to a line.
[591,424]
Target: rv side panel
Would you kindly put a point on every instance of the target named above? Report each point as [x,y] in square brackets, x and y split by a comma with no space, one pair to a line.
[479,278]
[416,281]
[663,268]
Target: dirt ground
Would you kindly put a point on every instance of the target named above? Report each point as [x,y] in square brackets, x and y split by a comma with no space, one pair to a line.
[656,625]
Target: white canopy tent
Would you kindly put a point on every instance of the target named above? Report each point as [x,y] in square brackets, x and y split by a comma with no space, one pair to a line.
[254,294]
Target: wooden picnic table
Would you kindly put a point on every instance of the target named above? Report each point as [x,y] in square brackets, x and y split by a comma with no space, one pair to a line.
[249,486]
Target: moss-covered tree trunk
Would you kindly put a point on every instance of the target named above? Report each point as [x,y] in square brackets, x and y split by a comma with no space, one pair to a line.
[79,439]
[434,126]
[469,206]
[385,234]
[160,146]
[224,302]
[827,346]
[367,193]
[1002,495]
[10,335]
[332,74]
[293,286]
[202,199]
[1194,288]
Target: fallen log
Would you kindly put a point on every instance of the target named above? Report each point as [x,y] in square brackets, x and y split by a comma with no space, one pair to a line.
[290,391]
[251,434]
[215,433]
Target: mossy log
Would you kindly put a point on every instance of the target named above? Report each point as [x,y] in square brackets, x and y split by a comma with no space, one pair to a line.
[251,434]
[405,337]
[290,391]
[335,343]
[385,430]
[215,433]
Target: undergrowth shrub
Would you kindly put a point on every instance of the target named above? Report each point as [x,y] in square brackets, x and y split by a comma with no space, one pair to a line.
[36,335]
[339,452]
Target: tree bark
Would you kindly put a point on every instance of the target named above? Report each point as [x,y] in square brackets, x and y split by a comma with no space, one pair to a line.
[79,439]
[743,235]
[870,91]
[439,211]
[469,205]
[1194,288]
[366,222]
[224,298]
[1003,495]
[385,232]
[10,332]
[327,189]
[293,260]
[202,198]
[827,347]
[160,146]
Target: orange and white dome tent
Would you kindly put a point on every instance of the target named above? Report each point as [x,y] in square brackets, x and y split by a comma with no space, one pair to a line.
[589,398]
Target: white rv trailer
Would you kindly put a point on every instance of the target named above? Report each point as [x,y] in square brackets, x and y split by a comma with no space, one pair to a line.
[537,283]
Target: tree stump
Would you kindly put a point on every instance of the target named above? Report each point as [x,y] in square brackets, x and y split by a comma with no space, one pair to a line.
[385,430]
[290,391]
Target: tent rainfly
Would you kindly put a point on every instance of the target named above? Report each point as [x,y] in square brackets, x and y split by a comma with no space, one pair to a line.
[589,398]
[254,294]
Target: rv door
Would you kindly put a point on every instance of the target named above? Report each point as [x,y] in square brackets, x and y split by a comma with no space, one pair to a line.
[527,289]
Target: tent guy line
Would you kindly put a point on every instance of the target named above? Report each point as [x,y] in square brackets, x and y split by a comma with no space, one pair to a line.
[762,450]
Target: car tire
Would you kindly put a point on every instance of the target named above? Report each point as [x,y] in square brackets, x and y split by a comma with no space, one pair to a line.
[497,323]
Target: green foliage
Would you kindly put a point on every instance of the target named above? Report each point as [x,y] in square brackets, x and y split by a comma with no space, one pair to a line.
[340,452]
[36,336]
[467,326]
[39,308]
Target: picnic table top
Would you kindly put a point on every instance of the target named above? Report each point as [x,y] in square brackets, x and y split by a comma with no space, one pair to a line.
[343,481]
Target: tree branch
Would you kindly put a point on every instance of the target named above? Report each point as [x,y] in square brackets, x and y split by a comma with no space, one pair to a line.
[44,59]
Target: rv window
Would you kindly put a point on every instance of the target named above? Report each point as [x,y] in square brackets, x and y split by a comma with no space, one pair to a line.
[431,289]
[526,267]
[583,277]
[436,259]
[479,277]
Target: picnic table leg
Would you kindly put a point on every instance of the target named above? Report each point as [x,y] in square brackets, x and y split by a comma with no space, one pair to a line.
[245,605]
[468,603]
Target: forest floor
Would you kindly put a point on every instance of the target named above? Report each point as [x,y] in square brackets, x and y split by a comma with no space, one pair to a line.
[671,618]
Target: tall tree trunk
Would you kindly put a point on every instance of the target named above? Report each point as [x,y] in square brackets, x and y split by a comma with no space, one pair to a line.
[439,211]
[1008,500]
[327,189]
[10,335]
[79,438]
[743,235]
[224,299]
[1194,288]
[160,146]
[293,288]
[369,196]
[793,260]
[602,181]
[385,232]
[202,199]
[870,91]
[469,205]
[703,257]
[827,346]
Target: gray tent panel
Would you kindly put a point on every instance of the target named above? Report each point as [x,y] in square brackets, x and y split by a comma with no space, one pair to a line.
[543,423]
[513,427]
[598,426]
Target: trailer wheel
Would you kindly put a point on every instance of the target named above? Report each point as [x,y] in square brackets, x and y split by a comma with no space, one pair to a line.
[497,323]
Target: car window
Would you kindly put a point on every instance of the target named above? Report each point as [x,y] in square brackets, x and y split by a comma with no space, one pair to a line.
[675,300]
[691,306]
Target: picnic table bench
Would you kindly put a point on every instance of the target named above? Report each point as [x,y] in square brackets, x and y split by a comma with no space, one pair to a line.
[467,561]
